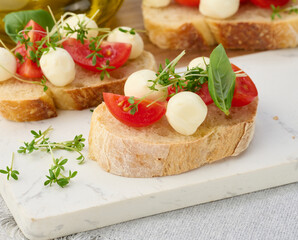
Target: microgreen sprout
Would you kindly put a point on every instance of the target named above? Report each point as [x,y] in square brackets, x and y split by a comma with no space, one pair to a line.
[9,170]
[276,11]
[56,172]
[41,142]
[131,31]
[104,70]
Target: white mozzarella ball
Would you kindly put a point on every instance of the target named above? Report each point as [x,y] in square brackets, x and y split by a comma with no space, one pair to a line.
[80,18]
[137,85]
[199,62]
[126,37]
[8,63]
[58,67]
[185,112]
[220,9]
[156,3]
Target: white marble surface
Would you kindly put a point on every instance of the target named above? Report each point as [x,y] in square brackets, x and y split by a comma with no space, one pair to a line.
[95,198]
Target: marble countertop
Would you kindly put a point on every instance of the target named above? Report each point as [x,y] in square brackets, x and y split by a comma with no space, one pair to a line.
[269,214]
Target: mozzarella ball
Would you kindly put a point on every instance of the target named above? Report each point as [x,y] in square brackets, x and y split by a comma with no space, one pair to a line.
[80,18]
[58,67]
[134,39]
[185,112]
[137,85]
[156,3]
[8,64]
[220,9]
[199,62]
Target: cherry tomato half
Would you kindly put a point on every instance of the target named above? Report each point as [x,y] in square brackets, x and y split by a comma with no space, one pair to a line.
[27,68]
[191,3]
[245,90]
[114,52]
[118,105]
[203,93]
[268,3]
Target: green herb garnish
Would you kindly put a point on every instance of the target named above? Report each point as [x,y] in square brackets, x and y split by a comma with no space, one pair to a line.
[56,172]
[221,79]
[131,31]
[9,170]
[41,142]
[276,11]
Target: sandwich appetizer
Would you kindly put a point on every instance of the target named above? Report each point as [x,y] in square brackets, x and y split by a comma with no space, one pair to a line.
[237,24]
[64,64]
[170,122]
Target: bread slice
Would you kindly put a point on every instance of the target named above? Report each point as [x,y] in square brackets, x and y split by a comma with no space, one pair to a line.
[251,28]
[158,150]
[28,102]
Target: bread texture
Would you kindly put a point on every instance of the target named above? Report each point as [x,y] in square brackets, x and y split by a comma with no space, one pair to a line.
[28,102]
[158,150]
[251,28]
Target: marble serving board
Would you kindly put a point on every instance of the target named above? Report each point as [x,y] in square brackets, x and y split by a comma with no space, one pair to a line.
[95,198]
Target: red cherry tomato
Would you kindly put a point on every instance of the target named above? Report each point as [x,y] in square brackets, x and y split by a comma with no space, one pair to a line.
[268,3]
[191,3]
[245,90]
[118,105]
[27,68]
[203,93]
[116,53]
[243,1]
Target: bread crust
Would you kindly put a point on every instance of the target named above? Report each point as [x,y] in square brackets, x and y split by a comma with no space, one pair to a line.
[251,28]
[158,150]
[84,92]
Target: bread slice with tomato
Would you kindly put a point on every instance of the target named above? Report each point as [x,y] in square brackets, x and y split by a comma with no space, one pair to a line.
[176,26]
[73,80]
[158,150]
[189,131]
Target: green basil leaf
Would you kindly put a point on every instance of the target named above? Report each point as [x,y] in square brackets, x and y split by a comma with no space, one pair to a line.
[16,21]
[221,81]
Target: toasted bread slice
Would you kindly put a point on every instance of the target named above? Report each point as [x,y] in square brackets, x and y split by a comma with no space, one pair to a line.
[251,28]
[28,102]
[158,150]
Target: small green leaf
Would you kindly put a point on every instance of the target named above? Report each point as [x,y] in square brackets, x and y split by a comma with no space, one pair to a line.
[16,21]
[3,171]
[62,182]
[14,176]
[74,174]
[47,182]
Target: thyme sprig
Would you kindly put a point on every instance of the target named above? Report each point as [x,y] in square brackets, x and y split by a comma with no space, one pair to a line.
[276,11]
[9,170]
[41,142]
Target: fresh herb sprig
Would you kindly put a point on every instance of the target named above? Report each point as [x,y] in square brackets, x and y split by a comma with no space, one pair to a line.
[41,141]
[276,11]
[219,75]
[131,31]
[104,70]
[81,31]
[56,172]
[9,171]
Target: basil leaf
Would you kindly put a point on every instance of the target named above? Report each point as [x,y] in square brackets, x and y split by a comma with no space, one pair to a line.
[221,82]
[16,21]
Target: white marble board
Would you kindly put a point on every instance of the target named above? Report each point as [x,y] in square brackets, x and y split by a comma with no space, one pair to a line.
[95,198]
